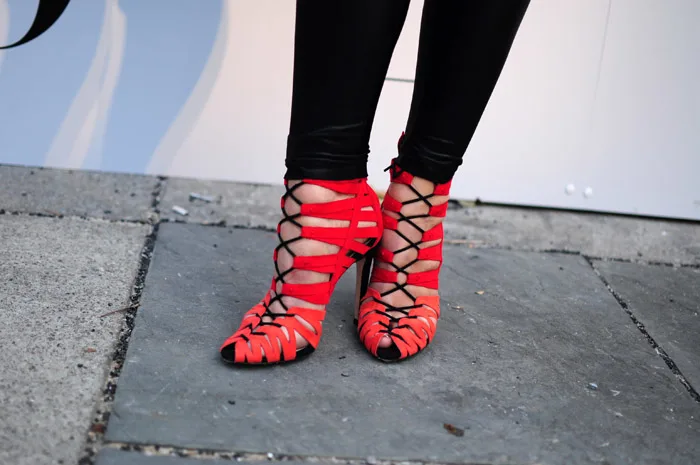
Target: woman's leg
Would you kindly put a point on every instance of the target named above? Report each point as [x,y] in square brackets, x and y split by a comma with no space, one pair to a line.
[342,53]
[331,216]
[463,47]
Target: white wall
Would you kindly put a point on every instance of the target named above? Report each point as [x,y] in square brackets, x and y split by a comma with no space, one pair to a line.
[602,95]
[598,94]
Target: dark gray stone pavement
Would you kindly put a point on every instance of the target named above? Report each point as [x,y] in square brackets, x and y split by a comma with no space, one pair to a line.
[594,235]
[545,366]
[667,302]
[512,367]
[252,205]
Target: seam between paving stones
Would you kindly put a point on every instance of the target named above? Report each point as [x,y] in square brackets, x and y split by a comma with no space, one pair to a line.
[155,200]
[209,454]
[640,326]
[101,414]
[692,266]
[224,224]
[82,217]
[156,219]
[219,224]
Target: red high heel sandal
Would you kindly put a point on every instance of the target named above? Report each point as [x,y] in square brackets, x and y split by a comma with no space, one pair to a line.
[265,337]
[411,328]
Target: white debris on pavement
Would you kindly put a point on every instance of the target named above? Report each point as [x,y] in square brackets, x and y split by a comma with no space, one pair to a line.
[202,197]
[179,210]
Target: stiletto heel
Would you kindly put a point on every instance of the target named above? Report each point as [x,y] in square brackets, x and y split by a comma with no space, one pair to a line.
[362,269]
[268,337]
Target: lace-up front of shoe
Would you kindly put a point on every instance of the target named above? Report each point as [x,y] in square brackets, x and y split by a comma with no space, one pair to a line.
[274,331]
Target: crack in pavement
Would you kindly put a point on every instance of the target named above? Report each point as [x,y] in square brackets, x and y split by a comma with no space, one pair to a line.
[640,326]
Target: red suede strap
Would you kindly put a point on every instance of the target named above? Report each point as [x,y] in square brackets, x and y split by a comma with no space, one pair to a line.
[253,341]
[270,337]
[410,328]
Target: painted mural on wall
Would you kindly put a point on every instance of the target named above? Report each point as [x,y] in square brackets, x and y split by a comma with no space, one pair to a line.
[47,14]
[100,87]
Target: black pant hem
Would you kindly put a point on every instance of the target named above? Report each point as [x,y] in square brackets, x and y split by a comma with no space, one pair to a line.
[328,173]
[424,168]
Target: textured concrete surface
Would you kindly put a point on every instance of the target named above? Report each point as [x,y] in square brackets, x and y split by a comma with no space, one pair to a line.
[667,302]
[82,193]
[511,367]
[58,277]
[256,205]
[592,234]
[482,226]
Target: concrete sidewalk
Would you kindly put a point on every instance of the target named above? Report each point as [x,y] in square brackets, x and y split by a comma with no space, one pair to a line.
[565,337]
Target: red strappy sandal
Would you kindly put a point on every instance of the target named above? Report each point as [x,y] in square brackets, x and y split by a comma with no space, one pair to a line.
[265,337]
[411,328]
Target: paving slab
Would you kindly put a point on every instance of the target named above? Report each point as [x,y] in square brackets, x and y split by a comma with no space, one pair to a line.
[667,301]
[76,192]
[58,277]
[592,234]
[120,457]
[256,205]
[511,367]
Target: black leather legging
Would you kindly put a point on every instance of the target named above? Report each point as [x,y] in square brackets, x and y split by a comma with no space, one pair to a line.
[342,53]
